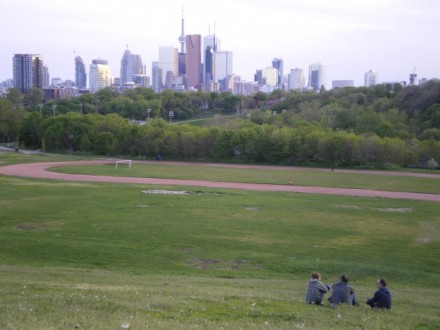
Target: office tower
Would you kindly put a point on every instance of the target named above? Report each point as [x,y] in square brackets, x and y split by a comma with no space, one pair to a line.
[168,61]
[317,76]
[100,75]
[193,61]
[223,65]
[413,78]
[156,77]
[270,76]
[210,46]
[296,80]
[182,55]
[130,64]
[80,73]
[258,77]
[45,77]
[28,71]
[371,78]
[277,63]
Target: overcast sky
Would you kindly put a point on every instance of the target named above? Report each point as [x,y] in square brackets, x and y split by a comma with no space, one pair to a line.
[349,37]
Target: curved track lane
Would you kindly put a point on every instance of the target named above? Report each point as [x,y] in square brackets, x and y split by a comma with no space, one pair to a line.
[39,170]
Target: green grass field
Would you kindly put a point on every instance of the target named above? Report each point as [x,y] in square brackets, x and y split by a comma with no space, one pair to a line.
[108,256]
[281,175]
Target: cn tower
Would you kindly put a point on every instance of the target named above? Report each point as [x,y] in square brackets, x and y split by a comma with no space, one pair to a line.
[182,37]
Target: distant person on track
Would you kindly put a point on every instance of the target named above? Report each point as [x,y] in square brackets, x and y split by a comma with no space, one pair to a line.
[382,297]
[316,290]
[342,293]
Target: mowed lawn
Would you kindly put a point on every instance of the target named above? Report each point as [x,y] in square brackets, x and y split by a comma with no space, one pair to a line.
[108,256]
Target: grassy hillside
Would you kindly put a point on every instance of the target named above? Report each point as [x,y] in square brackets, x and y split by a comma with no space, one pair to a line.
[104,256]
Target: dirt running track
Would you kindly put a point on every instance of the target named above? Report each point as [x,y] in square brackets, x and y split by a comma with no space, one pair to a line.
[39,170]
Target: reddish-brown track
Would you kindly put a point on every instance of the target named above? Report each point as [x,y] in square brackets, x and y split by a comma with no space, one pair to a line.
[39,170]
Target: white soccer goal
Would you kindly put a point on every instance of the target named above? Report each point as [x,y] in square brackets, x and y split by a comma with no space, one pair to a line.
[125,161]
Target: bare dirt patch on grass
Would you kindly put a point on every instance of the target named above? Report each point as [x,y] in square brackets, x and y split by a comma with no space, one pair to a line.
[399,210]
[31,226]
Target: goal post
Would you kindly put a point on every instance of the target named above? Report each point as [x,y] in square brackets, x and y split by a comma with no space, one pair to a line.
[125,161]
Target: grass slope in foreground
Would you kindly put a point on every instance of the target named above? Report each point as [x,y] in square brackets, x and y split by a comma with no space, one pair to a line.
[106,255]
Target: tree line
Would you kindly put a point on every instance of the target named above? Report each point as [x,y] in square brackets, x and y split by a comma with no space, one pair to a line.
[383,125]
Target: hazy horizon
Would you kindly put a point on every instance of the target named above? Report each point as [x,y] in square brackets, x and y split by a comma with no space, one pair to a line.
[349,38]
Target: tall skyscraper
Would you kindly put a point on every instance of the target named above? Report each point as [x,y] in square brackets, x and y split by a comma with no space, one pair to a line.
[156,77]
[182,55]
[223,65]
[28,71]
[413,78]
[130,64]
[277,63]
[46,77]
[168,61]
[193,61]
[296,79]
[210,46]
[317,76]
[371,78]
[80,73]
[100,75]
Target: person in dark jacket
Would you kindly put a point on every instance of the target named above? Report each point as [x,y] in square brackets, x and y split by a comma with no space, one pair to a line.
[382,297]
[342,293]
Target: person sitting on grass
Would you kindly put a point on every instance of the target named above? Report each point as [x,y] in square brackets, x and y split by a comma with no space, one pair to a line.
[382,297]
[316,290]
[342,293]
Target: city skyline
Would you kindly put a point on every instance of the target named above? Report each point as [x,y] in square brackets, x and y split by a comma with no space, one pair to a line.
[351,38]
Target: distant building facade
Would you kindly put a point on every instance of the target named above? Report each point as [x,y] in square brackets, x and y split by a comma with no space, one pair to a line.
[223,66]
[168,61]
[317,76]
[28,71]
[296,80]
[80,73]
[210,47]
[156,77]
[371,78]
[342,83]
[46,77]
[100,75]
[277,63]
[130,64]
[193,61]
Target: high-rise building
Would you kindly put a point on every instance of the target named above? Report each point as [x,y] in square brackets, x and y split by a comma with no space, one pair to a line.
[46,77]
[156,77]
[80,73]
[413,78]
[28,71]
[168,61]
[296,80]
[210,46]
[223,65]
[100,75]
[371,78]
[182,55]
[193,61]
[277,63]
[317,76]
[270,76]
[130,64]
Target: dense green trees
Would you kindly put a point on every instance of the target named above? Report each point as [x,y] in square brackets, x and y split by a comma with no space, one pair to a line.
[375,126]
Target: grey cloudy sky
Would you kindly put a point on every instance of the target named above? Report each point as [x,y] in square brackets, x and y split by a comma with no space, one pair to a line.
[350,37]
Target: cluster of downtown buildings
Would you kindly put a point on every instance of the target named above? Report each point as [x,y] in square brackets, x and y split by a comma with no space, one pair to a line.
[195,66]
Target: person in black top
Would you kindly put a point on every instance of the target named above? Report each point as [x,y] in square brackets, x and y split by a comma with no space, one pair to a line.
[382,297]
